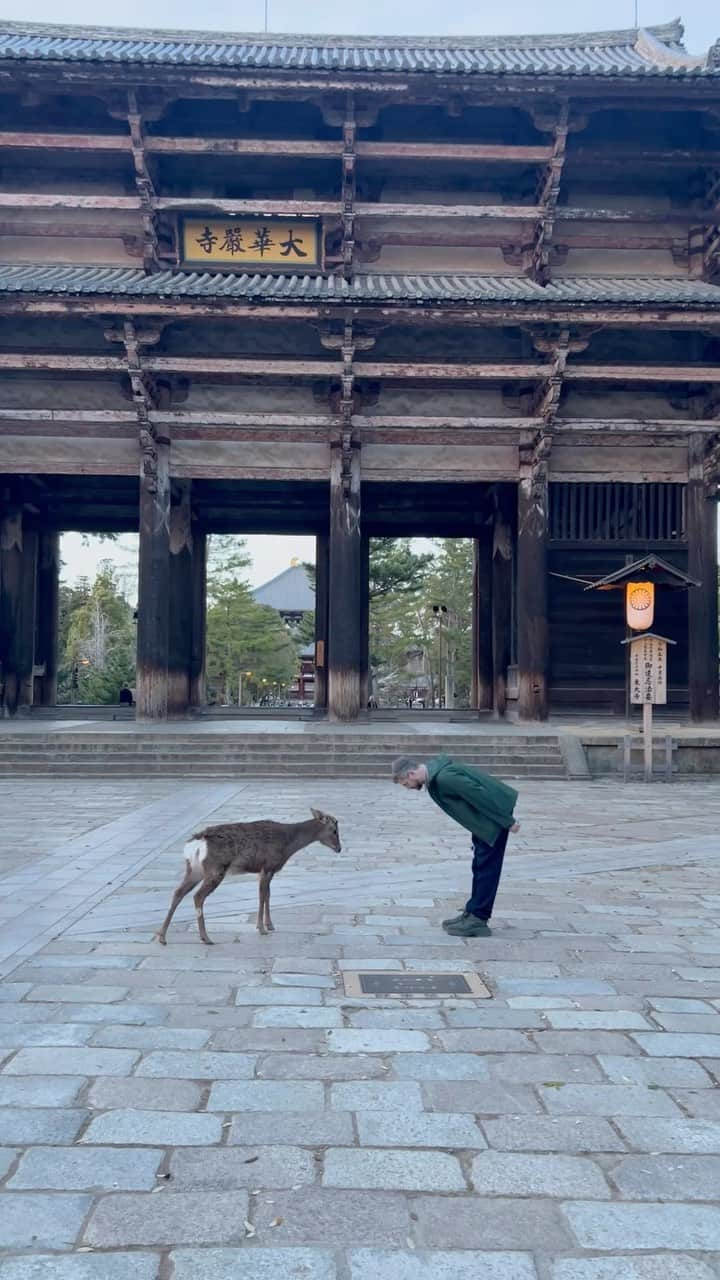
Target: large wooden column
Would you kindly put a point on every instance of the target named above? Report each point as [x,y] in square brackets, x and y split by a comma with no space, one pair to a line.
[18,589]
[151,686]
[532,592]
[48,593]
[501,609]
[322,585]
[482,630]
[198,690]
[180,630]
[701,517]
[345,594]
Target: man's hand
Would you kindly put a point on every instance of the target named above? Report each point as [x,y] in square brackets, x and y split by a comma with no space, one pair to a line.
[515,827]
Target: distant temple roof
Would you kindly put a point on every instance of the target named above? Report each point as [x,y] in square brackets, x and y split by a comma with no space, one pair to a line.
[645,51]
[289,592]
[328,290]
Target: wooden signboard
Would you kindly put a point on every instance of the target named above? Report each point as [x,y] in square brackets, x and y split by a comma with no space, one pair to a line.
[648,670]
[255,244]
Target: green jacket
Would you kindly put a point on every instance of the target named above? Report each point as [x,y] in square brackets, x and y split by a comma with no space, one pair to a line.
[481,804]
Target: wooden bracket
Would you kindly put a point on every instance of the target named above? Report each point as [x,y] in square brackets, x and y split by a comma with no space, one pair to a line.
[144,185]
[711,466]
[348,187]
[537,256]
[146,395]
[704,238]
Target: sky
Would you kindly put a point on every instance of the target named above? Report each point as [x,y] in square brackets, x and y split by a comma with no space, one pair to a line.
[373,17]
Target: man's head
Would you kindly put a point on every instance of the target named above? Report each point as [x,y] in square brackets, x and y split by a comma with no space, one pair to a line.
[409,773]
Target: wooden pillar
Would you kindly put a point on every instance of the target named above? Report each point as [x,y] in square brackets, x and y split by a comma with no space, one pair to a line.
[701,518]
[501,609]
[482,654]
[151,686]
[322,575]
[180,631]
[365,680]
[532,596]
[48,600]
[18,590]
[198,691]
[345,593]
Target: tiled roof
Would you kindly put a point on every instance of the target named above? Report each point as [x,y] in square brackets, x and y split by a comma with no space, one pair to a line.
[651,50]
[289,592]
[329,290]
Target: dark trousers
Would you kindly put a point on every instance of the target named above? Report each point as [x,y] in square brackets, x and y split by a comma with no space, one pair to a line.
[487,868]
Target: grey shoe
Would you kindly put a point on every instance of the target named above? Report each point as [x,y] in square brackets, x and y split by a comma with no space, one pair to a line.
[454,919]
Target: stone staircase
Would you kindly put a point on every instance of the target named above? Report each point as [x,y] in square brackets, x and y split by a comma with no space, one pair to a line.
[317,753]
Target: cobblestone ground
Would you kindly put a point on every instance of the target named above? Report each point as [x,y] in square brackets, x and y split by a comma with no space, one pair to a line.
[229,1113]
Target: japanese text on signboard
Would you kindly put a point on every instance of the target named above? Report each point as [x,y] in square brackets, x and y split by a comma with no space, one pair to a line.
[251,242]
[648,670]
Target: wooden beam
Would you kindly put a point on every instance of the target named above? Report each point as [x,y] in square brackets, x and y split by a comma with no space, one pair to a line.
[181,601]
[531,588]
[701,516]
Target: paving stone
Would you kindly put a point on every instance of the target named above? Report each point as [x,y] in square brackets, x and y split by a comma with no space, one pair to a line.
[649,1177]
[327,1066]
[31,1125]
[131,1013]
[72,1062]
[495,1018]
[82,994]
[683,1136]
[540,1002]
[179,1065]
[153,1128]
[535,1068]
[666,1266]
[703,1104]
[112,1093]
[252,1264]
[489,1224]
[378,1264]
[552,1133]
[81,1266]
[151,1037]
[333,1217]
[12,991]
[393,1170]
[480,1097]
[7,1159]
[591,1043]
[369,1095]
[304,1018]
[377,1041]
[36,1219]
[268,1040]
[85,1170]
[266,1095]
[309,1129]
[679,1006]
[39,1091]
[607,1020]
[316,980]
[504,1173]
[28,1034]
[285,997]
[409,1129]
[668,1044]
[412,1019]
[479,1040]
[439,1066]
[608,1100]
[222,1169]
[644,1226]
[555,986]
[692,1023]
[170,1218]
[662,1071]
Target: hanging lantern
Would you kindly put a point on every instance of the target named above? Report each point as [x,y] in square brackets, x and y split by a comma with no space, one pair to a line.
[640,605]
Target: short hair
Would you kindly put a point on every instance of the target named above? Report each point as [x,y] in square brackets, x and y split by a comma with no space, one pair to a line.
[403,766]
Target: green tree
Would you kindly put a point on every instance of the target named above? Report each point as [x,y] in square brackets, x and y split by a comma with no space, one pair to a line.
[96,639]
[450,584]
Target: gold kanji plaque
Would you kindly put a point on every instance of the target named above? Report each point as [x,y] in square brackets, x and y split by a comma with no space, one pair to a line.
[256,243]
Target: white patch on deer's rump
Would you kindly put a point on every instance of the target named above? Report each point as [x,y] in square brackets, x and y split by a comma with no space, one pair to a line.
[196,852]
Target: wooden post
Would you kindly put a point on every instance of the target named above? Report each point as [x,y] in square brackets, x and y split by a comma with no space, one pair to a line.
[48,616]
[482,629]
[18,585]
[151,689]
[365,680]
[701,516]
[322,574]
[180,598]
[501,610]
[198,691]
[648,740]
[345,593]
[532,624]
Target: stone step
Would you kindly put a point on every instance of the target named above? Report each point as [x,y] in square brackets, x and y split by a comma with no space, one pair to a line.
[174,769]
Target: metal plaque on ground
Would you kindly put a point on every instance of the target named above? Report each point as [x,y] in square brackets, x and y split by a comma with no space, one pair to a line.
[433,985]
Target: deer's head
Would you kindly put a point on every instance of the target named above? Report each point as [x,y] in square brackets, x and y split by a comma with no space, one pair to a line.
[328,833]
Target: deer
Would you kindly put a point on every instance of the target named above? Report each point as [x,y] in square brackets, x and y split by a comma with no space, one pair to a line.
[239,848]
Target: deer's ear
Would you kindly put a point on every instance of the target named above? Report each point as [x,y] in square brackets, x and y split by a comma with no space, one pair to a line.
[316,813]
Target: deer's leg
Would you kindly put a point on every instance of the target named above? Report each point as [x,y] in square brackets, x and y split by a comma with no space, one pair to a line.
[209,884]
[187,883]
[268,922]
[263,896]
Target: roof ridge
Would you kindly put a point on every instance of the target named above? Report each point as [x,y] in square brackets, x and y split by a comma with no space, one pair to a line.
[666,33]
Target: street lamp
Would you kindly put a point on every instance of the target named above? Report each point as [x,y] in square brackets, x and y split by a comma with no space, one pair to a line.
[248,675]
[440,612]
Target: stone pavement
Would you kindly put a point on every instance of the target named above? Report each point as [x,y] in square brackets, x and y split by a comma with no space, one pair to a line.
[228,1113]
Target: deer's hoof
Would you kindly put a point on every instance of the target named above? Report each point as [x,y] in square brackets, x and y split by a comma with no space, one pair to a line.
[261,929]
[159,938]
[271,928]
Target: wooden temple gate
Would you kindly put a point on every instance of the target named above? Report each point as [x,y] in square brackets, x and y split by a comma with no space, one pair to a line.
[356,289]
